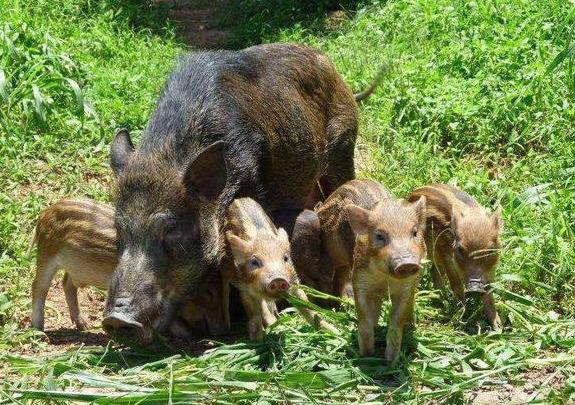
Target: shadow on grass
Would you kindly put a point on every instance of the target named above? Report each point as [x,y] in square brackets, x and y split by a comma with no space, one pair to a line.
[68,336]
[249,21]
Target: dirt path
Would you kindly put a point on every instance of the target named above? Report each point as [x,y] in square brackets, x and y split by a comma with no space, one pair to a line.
[196,22]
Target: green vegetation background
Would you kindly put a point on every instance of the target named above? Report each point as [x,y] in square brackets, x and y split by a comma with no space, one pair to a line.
[481,95]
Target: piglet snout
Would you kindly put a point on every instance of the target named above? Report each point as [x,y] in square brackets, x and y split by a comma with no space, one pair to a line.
[406,269]
[475,287]
[277,286]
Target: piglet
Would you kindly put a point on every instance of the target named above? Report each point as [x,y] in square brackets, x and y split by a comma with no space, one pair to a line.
[464,243]
[377,241]
[259,265]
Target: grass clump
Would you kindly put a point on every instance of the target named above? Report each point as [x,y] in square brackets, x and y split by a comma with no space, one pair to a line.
[480,95]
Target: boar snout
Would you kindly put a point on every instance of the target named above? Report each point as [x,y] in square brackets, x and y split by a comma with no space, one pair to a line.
[278,285]
[405,266]
[119,321]
[475,286]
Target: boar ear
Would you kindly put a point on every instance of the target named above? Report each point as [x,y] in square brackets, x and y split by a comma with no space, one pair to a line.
[120,151]
[206,175]
[239,248]
[497,218]
[358,219]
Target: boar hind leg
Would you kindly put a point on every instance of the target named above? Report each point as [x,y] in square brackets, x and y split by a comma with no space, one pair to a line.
[401,314]
[46,268]
[340,167]
[253,308]
[368,307]
[71,293]
[491,312]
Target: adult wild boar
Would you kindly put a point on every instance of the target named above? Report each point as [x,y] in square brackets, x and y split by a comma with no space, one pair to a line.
[270,122]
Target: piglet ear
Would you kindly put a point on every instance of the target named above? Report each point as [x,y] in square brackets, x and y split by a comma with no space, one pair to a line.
[239,249]
[358,219]
[455,216]
[206,175]
[497,218]
[282,234]
[420,206]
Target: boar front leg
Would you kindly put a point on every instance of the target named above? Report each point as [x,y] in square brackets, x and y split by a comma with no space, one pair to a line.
[401,313]
[368,307]
[226,302]
[491,312]
[253,308]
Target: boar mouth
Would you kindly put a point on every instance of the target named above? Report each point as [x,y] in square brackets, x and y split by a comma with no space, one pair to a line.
[123,324]
[125,327]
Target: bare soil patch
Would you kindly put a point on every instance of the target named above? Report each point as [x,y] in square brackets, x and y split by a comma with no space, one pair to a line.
[531,385]
[196,22]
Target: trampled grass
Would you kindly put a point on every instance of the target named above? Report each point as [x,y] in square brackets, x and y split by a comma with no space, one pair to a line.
[480,95]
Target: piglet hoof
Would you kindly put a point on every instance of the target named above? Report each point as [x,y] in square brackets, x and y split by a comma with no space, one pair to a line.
[256,336]
[497,326]
[81,324]
[328,327]
[38,325]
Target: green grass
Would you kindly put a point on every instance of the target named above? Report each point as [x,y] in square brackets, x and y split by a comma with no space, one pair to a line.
[480,95]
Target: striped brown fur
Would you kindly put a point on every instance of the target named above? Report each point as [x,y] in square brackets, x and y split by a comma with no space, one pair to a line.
[463,241]
[78,236]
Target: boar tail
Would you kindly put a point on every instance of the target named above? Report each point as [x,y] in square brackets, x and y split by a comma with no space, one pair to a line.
[383,71]
[32,243]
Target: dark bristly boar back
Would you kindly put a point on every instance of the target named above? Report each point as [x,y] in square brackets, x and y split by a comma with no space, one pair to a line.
[260,266]
[269,122]
[387,263]
[463,242]
[78,236]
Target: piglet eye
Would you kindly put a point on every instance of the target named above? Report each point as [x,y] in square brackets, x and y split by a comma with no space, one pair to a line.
[286,258]
[460,251]
[415,232]
[255,263]
[380,238]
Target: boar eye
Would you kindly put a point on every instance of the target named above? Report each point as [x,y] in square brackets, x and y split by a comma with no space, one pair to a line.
[255,263]
[172,238]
